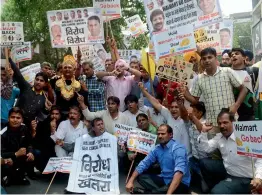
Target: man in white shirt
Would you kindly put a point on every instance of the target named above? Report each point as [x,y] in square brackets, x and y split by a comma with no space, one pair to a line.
[110,116]
[173,119]
[67,132]
[155,117]
[131,102]
[233,175]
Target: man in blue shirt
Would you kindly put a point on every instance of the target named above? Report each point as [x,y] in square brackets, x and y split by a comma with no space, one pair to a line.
[172,158]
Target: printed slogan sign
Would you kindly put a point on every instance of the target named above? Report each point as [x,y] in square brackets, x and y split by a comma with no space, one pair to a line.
[56,164]
[122,132]
[249,138]
[135,25]
[29,72]
[12,33]
[141,141]
[111,9]
[73,27]
[22,52]
[95,166]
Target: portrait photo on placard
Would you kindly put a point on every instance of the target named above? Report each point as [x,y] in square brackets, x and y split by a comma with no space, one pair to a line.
[94,26]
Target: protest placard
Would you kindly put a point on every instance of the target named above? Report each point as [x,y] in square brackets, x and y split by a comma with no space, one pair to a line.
[128,54]
[111,9]
[62,165]
[95,166]
[175,69]
[208,12]
[177,13]
[87,51]
[135,25]
[141,141]
[174,42]
[121,132]
[248,138]
[205,37]
[30,71]
[73,27]
[226,34]
[22,53]
[12,33]
[100,53]
[98,64]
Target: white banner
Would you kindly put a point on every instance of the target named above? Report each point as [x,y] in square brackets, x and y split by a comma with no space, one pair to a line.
[22,53]
[73,27]
[174,42]
[141,141]
[135,25]
[111,9]
[12,33]
[177,13]
[249,138]
[56,164]
[95,166]
[29,72]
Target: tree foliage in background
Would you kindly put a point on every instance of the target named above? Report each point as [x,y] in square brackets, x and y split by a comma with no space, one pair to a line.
[34,17]
[243,36]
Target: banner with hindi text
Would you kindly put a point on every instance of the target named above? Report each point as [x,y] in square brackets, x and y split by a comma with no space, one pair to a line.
[95,166]
[21,53]
[73,27]
[135,25]
[56,164]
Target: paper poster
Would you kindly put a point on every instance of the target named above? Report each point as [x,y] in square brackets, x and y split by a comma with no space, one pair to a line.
[73,27]
[257,38]
[135,25]
[141,141]
[121,132]
[111,9]
[248,138]
[98,64]
[12,33]
[174,42]
[100,53]
[128,54]
[87,51]
[205,37]
[95,166]
[56,164]
[30,71]
[208,12]
[22,53]
[226,34]
[175,69]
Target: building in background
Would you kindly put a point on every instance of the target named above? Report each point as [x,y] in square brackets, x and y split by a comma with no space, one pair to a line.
[257,28]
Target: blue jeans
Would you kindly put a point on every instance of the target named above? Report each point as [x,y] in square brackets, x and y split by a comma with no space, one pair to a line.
[219,181]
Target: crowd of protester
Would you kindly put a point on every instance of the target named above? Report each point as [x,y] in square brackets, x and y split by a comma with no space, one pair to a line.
[194,124]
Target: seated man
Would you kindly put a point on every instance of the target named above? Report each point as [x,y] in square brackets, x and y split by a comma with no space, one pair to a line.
[16,144]
[131,102]
[172,157]
[110,116]
[67,132]
[98,127]
[233,175]
[41,132]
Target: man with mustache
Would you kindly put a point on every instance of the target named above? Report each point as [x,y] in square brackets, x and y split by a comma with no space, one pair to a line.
[117,83]
[57,35]
[233,174]
[67,132]
[157,19]
[215,85]
[172,158]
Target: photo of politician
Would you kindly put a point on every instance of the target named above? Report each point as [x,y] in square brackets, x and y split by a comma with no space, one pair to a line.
[157,19]
[207,7]
[94,26]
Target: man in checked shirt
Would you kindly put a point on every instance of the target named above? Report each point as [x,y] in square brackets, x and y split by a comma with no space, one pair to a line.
[94,87]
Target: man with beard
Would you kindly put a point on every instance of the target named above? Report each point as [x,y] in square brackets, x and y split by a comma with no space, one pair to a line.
[248,76]
[157,19]
[110,116]
[118,84]
[32,100]
[16,144]
[216,87]
[233,174]
[67,132]
[41,132]
[226,61]
[57,35]
[172,158]
[172,117]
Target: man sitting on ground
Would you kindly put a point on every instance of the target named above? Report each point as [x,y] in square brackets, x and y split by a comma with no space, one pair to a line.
[16,144]
[172,157]
[68,131]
